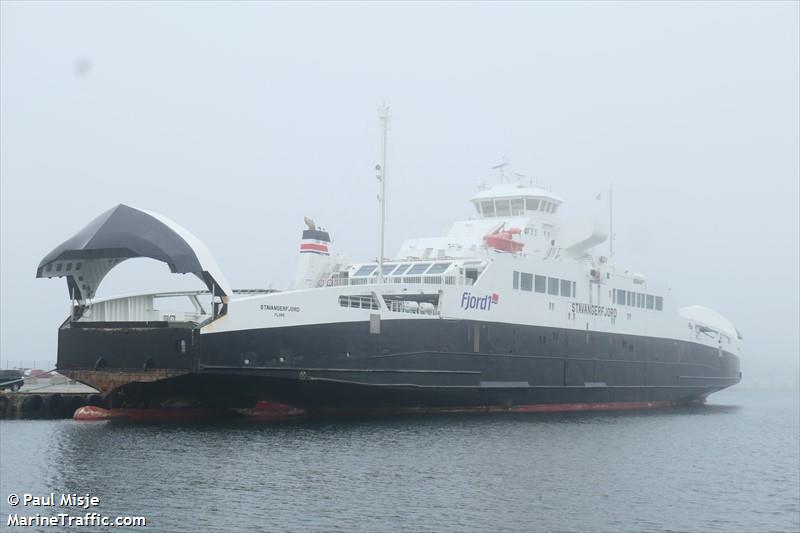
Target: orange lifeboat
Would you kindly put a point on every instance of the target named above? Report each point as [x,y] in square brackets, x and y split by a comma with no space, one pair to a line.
[503,240]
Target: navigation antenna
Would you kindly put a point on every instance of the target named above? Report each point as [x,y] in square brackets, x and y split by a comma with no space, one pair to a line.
[380,173]
[503,168]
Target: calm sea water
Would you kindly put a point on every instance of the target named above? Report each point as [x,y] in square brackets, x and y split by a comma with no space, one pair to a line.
[732,465]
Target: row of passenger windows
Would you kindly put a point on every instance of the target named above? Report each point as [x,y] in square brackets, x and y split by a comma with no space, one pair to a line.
[515,207]
[534,282]
[637,299]
[408,269]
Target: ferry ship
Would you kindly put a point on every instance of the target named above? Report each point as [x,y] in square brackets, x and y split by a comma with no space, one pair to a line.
[514,309]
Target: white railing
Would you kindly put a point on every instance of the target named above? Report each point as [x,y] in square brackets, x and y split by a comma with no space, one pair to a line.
[372,280]
[146,308]
[143,308]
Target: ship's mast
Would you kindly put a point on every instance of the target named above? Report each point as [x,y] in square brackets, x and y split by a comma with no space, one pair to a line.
[383,116]
[611,221]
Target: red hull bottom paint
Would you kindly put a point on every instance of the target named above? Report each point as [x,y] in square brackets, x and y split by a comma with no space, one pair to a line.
[264,410]
[535,408]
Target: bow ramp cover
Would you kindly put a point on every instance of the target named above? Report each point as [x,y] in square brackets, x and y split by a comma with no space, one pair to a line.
[124,232]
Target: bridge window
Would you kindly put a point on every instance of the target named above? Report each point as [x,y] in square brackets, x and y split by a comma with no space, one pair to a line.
[387,268]
[531,205]
[659,303]
[552,286]
[545,206]
[516,279]
[650,301]
[487,206]
[502,208]
[526,281]
[639,299]
[419,268]
[517,206]
[540,283]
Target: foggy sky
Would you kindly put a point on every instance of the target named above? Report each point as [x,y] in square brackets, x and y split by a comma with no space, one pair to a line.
[236,120]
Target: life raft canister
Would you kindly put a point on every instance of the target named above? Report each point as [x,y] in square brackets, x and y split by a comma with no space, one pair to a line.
[503,240]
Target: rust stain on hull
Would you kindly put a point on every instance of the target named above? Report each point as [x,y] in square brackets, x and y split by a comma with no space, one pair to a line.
[107,381]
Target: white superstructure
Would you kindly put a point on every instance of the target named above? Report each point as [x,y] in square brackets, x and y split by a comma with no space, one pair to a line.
[550,277]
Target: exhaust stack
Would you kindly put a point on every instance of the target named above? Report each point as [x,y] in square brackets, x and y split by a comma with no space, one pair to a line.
[315,257]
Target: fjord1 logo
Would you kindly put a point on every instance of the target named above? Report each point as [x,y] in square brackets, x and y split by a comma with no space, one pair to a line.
[484,303]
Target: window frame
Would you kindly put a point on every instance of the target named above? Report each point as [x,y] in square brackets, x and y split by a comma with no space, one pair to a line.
[414,270]
[507,205]
[568,284]
[443,268]
[551,284]
[401,269]
[358,274]
[540,281]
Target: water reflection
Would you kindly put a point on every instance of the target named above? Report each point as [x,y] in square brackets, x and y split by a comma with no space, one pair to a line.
[577,471]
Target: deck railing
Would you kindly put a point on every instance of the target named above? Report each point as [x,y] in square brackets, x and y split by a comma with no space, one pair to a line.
[373,280]
[145,307]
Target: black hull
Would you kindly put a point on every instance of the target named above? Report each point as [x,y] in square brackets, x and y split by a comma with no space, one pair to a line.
[410,365]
